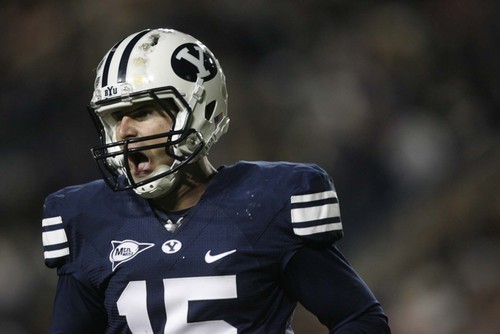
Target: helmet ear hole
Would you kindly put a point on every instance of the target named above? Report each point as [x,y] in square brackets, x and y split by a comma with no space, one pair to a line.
[209,110]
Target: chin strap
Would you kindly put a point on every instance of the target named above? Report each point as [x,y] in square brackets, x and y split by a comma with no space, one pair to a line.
[160,187]
[190,144]
[196,96]
[197,93]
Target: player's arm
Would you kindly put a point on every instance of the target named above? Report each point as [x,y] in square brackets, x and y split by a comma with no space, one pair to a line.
[316,274]
[324,283]
[77,307]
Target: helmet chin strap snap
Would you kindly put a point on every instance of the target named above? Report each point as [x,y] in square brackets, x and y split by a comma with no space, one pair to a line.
[191,143]
[197,93]
[160,187]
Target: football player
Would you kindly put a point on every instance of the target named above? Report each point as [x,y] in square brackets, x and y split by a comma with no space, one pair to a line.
[165,242]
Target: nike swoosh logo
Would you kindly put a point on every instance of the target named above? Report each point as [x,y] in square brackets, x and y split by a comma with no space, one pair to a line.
[209,258]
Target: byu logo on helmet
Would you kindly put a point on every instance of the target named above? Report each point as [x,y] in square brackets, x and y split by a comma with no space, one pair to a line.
[110,91]
[189,61]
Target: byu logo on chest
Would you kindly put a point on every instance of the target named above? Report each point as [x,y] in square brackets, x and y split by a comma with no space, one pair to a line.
[171,246]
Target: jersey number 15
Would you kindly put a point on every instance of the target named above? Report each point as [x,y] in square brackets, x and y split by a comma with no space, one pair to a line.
[177,293]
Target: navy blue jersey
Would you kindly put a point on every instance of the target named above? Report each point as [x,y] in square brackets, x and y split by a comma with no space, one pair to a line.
[227,269]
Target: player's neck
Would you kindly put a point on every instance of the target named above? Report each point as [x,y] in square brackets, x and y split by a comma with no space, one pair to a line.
[194,181]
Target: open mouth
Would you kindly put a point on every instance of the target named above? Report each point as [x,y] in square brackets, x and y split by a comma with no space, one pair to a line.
[139,163]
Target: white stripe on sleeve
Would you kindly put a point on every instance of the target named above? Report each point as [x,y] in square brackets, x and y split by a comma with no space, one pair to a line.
[51,221]
[56,253]
[329,210]
[313,197]
[318,229]
[54,237]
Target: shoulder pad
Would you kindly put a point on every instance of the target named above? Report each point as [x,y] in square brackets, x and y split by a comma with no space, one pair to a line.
[58,210]
[306,190]
[314,205]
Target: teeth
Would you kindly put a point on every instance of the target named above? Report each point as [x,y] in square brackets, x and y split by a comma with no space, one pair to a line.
[140,162]
[141,167]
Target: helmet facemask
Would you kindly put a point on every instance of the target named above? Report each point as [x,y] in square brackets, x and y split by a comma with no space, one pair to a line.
[182,143]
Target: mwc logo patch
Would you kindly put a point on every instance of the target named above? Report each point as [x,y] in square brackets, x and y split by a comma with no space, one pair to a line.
[126,250]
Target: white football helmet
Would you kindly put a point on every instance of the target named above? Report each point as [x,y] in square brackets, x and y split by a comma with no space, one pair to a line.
[182,77]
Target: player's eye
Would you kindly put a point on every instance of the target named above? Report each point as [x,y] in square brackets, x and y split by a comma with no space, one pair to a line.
[139,114]
[117,116]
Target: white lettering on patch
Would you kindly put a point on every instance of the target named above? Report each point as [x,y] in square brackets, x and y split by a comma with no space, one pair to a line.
[126,250]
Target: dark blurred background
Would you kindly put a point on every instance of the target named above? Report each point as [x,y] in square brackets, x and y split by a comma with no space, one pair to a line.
[398,101]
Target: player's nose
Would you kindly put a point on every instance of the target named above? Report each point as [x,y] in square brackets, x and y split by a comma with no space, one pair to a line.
[126,128]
